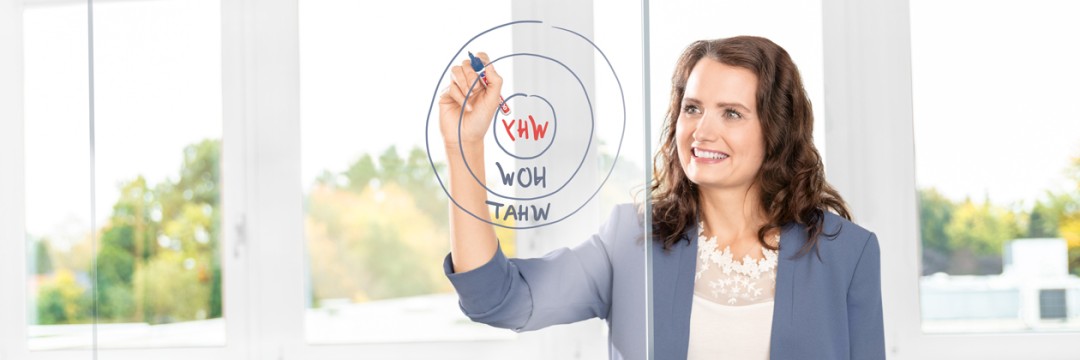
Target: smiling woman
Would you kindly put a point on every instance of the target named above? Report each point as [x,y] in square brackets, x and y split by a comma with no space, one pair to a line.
[763,129]
[738,177]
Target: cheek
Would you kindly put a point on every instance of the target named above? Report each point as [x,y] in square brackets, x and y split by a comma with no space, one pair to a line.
[681,138]
[757,148]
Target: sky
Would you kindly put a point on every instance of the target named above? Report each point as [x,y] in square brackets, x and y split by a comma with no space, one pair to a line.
[157,90]
[994,97]
[992,109]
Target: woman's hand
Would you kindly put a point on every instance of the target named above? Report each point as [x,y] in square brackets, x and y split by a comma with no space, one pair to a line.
[480,108]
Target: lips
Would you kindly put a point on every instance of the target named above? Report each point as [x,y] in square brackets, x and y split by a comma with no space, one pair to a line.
[709,154]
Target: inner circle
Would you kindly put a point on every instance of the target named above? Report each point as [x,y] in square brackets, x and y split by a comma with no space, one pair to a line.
[551,140]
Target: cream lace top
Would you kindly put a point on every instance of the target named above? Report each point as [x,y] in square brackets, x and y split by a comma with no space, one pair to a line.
[731,317]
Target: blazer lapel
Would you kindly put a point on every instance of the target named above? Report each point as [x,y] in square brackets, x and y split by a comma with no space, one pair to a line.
[792,238]
[673,292]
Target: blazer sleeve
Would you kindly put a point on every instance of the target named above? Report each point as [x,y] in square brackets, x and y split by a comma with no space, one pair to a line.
[564,286]
[865,325]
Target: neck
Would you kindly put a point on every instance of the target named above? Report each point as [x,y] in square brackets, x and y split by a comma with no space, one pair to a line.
[732,213]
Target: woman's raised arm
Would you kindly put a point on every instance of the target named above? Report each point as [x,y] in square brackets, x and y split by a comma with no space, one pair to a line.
[472,241]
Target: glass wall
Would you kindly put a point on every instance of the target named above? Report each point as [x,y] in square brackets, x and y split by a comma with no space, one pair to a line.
[376,219]
[374,166]
[997,146]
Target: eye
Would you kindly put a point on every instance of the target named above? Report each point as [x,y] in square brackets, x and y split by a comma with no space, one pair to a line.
[691,109]
[732,114]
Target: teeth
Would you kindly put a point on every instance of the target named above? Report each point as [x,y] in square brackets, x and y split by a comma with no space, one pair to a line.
[709,154]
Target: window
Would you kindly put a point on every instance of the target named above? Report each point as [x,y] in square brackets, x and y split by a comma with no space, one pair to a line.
[155,233]
[57,177]
[997,165]
[874,70]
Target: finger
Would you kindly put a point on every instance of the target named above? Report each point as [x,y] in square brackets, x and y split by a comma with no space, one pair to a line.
[473,82]
[457,97]
[458,76]
[494,80]
[444,95]
[489,69]
[473,89]
[451,95]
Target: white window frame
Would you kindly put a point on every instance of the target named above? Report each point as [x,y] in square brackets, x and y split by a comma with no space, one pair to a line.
[12,219]
[869,104]
[12,226]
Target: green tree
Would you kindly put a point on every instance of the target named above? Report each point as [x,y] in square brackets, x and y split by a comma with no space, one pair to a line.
[413,172]
[116,300]
[1069,227]
[383,235]
[1048,214]
[191,227]
[360,173]
[373,245]
[392,166]
[125,245]
[62,300]
[152,227]
[978,233]
[175,288]
[42,257]
[935,213]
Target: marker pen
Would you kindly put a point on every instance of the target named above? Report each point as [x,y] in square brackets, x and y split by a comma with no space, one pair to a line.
[478,67]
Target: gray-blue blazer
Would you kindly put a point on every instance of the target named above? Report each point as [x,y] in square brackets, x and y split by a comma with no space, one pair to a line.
[824,309]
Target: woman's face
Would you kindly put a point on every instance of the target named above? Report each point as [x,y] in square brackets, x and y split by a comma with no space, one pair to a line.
[718,133]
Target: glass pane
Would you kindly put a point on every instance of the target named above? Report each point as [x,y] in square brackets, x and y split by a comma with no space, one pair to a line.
[376,214]
[158,133]
[998,164]
[57,177]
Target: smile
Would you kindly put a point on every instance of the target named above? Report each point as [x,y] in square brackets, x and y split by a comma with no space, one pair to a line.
[707,154]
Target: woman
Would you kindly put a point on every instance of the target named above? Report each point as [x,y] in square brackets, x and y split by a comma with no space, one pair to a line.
[751,260]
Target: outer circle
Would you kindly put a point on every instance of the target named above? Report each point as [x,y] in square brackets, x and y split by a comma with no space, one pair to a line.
[435,94]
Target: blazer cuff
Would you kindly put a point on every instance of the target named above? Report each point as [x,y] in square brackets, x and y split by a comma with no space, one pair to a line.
[483,288]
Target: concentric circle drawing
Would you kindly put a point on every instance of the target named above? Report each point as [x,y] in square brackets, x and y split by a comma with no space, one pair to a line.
[532,181]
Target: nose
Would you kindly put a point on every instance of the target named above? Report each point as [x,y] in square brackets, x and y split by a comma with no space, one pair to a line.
[706,130]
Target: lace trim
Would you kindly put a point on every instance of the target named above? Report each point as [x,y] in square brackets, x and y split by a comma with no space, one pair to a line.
[734,282]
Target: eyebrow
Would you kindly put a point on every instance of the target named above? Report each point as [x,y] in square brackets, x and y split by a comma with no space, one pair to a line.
[720,104]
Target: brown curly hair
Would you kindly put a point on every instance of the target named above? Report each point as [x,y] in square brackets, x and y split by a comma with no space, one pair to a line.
[792,176]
